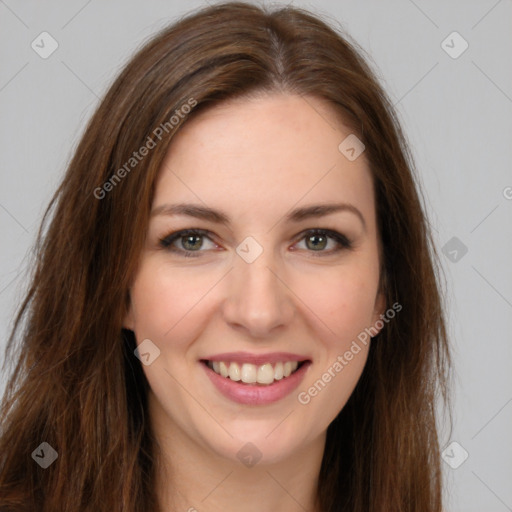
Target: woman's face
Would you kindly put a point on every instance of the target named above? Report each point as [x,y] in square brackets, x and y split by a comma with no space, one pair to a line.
[255,293]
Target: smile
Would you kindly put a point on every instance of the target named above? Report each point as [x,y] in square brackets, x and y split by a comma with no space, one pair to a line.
[256,379]
[248,373]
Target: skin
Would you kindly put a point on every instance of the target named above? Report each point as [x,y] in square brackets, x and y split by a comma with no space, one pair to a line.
[255,160]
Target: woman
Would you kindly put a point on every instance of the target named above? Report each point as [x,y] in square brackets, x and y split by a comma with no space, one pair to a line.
[235,304]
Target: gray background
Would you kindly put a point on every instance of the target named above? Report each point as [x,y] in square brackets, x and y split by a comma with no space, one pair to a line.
[457,114]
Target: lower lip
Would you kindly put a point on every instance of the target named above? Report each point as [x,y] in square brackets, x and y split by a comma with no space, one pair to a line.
[251,394]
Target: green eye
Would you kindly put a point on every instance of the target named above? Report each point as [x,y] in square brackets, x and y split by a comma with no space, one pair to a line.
[188,242]
[316,242]
[324,241]
[192,242]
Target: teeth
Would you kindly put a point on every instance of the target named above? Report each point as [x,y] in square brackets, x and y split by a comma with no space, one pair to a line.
[278,371]
[251,373]
[265,374]
[223,369]
[234,371]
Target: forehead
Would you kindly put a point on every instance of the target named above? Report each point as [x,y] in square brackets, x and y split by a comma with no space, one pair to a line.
[266,153]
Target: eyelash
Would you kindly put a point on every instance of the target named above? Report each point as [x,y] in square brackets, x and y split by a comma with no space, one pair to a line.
[166,242]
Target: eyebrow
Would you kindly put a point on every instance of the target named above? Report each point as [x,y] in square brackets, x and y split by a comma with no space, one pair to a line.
[299,214]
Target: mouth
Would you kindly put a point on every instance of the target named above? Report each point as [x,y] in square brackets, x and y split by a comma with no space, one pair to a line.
[256,379]
[254,374]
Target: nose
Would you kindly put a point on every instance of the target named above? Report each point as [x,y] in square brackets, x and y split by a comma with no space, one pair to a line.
[258,302]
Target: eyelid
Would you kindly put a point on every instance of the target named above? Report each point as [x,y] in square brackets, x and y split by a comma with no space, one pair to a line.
[167,241]
[344,243]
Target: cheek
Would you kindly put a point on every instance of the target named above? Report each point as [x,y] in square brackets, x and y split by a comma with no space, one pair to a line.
[340,308]
[339,302]
[173,304]
[166,302]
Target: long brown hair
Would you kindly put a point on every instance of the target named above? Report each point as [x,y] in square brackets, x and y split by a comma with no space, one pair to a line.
[76,383]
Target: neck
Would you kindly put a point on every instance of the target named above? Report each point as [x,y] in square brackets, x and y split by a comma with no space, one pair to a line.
[193,478]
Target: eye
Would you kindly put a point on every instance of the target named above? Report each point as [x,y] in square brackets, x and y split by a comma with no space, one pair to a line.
[324,241]
[191,242]
[188,242]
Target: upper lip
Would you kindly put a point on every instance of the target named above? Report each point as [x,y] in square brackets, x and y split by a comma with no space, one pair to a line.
[256,359]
